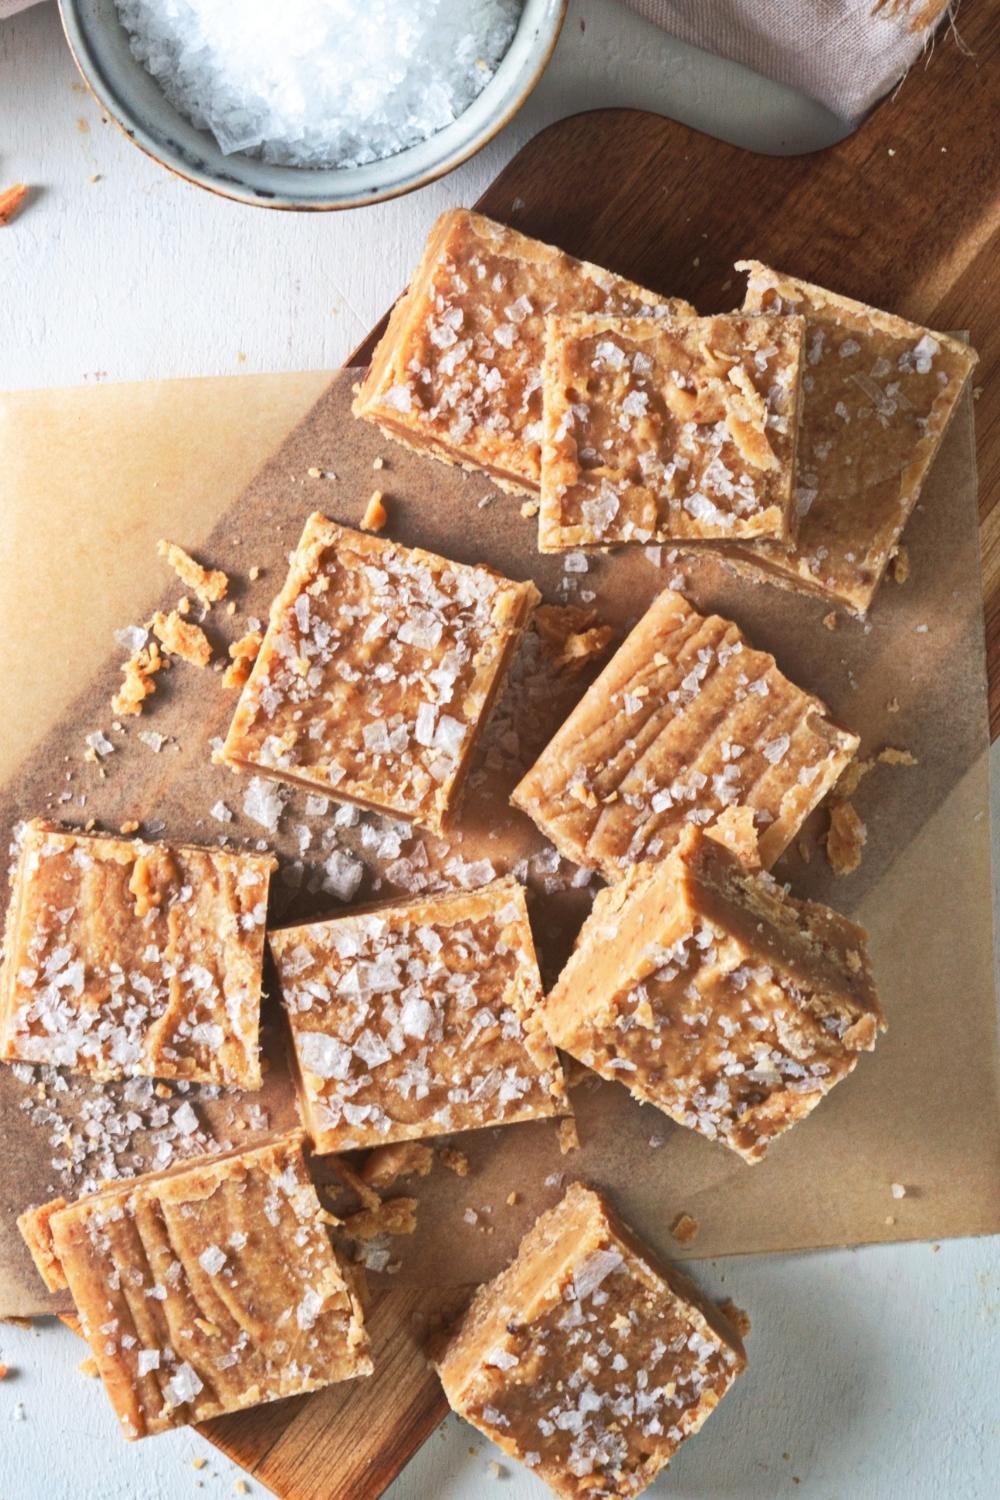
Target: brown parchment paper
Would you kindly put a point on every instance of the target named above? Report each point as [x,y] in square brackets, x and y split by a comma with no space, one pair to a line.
[89,478]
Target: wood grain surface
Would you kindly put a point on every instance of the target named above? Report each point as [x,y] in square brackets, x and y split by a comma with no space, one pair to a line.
[904,214]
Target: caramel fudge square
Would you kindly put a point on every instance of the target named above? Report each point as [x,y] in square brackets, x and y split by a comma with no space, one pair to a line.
[418,1020]
[710,992]
[207,1288]
[669,428]
[878,394]
[458,372]
[124,957]
[685,721]
[588,1360]
[377,672]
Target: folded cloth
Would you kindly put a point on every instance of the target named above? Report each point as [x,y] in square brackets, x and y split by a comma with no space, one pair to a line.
[845,53]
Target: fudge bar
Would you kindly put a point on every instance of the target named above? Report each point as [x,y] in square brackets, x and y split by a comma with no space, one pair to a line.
[586,1359]
[713,994]
[458,371]
[378,670]
[878,394]
[206,1288]
[418,1019]
[124,957]
[686,720]
[665,429]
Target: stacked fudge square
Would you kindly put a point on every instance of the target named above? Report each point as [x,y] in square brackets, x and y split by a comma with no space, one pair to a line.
[791,438]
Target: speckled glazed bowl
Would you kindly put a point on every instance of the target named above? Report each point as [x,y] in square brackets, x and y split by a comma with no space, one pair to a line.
[132,98]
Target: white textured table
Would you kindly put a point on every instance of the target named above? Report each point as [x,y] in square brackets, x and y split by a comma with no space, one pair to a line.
[874,1373]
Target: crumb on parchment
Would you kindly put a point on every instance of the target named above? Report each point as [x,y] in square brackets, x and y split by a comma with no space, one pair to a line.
[375,515]
[384,1165]
[901,565]
[571,634]
[12,200]
[209,585]
[244,654]
[138,673]
[181,638]
[455,1161]
[569,1139]
[684,1228]
[395,1216]
[845,838]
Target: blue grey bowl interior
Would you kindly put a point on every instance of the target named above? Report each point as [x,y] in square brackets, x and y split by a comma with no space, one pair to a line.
[132,98]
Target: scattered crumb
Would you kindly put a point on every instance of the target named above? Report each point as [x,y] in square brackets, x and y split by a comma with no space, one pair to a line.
[830,620]
[184,605]
[455,1161]
[132,826]
[88,1367]
[891,756]
[740,1321]
[209,585]
[386,1164]
[513,1198]
[244,654]
[241,1487]
[805,851]
[897,1189]
[845,838]
[182,639]
[893,706]
[901,565]
[569,1139]
[231,608]
[95,177]
[317,473]
[529,509]
[496,1469]
[397,1216]
[855,773]
[571,634]
[375,515]
[684,1228]
[12,201]
[255,572]
[378,463]
[198,1463]
[138,672]
[4,1371]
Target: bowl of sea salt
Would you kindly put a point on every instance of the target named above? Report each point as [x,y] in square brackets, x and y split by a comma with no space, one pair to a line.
[311,104]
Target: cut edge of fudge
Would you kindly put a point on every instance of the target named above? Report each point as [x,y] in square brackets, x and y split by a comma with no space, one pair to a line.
[327,1140]
[320,532]
[776,521]
[581,1231]
[793,572]
[640,646]
[39,829]
[52,1232]
[704,879]
[383,373]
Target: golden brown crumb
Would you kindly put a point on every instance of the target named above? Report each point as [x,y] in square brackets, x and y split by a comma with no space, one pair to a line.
[830,620]
[350,1178]
[241,1487]
[129,827]
[255,572]
[375,515]
[386,1164]
[397,1216]
[4,1371]
[858,769]
[684,1228]
[198,1463]
[529,509]
[495,1469]
[184,605]
[138,672]
[315,473]
[163,1090]
[244,654]
[187,641]
[455,1161]
[740,1321]
[845,838]
[378,463]
[901,565]
[893,705]
[88,1367]
[231,608]
[513,1198]
[805,851]
[569,1139]
[571,634]
[209,585]
[890,756]
[12,201]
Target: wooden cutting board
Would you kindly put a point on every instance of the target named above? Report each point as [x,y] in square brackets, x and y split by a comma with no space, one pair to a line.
[904,214]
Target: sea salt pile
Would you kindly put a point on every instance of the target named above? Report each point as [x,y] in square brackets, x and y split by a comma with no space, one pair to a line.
[320,83]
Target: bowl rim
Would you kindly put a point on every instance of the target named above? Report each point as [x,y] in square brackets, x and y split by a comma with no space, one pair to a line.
[104,93]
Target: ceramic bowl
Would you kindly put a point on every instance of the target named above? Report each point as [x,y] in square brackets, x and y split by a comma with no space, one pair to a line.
[132,98]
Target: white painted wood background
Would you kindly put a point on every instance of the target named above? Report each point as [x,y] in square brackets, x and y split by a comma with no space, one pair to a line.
[875,1371]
